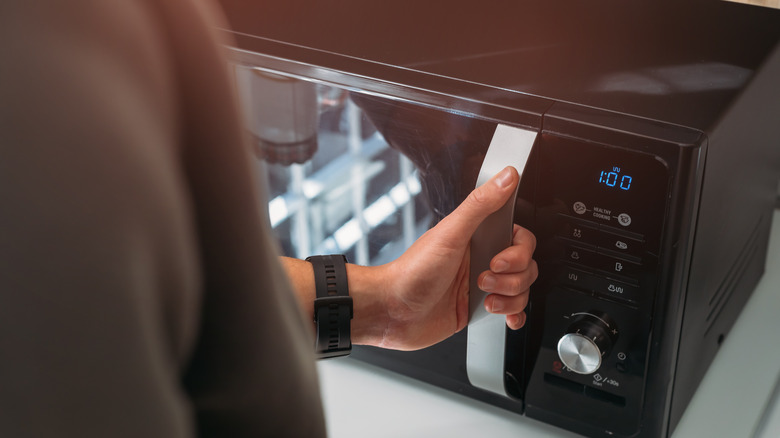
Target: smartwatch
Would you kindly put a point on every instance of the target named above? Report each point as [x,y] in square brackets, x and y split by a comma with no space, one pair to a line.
[332,307]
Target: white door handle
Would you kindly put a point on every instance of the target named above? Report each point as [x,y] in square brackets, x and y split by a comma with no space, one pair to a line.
[485,348]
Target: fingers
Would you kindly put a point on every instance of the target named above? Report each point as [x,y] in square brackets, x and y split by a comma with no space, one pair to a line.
[512,307]
[516,322]
[511,274]
[513,269]
[510,283]
[481,202]
[517,257]
[504,305]
[510,298]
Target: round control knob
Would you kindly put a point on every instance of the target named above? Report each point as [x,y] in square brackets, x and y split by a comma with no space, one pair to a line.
[587,340]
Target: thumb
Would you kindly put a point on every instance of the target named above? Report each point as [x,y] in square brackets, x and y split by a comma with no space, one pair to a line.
[481,203]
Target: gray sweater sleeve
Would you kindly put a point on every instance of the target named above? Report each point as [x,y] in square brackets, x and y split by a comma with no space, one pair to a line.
[140,294]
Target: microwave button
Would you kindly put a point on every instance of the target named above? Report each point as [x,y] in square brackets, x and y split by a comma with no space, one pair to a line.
[620,267]
[616,289]
[619,244]
[580,255]
[576,278]
[579,233]
[575,228]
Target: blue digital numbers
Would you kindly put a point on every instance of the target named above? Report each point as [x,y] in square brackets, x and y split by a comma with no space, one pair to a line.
[613,178]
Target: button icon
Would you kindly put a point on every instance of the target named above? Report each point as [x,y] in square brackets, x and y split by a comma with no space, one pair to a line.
[621,356]
[580,208]
[618,266]
[575,255]
[621,245]
[613,289]
[624,219]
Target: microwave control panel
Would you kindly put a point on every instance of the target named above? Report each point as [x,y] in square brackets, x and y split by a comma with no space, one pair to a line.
[599,220]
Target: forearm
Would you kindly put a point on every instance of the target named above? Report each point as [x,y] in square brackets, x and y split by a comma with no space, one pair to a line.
[366,287]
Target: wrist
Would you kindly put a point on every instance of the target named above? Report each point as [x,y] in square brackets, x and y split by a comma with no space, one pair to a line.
[367,286]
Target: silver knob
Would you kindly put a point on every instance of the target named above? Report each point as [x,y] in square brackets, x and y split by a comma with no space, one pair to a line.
[579,353]
[587,340]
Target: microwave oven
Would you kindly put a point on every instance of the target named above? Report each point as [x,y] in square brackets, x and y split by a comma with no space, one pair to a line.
[649,141]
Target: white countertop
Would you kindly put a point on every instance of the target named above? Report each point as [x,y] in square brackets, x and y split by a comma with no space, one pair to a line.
[739,397]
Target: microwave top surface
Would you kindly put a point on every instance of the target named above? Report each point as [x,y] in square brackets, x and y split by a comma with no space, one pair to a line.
[681,63]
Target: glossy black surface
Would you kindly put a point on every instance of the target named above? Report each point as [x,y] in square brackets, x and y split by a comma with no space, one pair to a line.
[677,62]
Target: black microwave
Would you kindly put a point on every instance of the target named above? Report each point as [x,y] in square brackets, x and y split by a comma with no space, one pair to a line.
[650,145]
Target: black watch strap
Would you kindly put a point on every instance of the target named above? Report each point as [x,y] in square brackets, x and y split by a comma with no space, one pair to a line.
[332,307]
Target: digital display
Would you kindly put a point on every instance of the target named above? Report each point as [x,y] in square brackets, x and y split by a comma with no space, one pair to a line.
[613,178]
[613,187]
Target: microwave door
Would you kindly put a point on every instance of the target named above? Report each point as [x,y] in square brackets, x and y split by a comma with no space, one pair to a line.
[350,172]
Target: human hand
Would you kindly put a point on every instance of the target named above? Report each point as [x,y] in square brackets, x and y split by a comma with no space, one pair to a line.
[426,288]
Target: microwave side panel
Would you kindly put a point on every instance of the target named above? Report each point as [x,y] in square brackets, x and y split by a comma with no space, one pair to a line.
[737,203]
